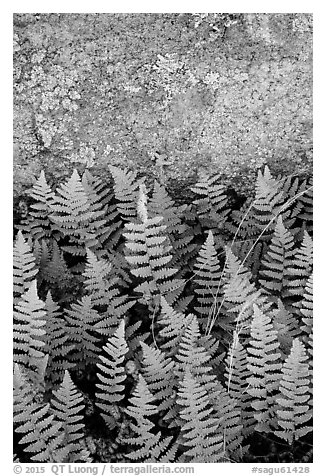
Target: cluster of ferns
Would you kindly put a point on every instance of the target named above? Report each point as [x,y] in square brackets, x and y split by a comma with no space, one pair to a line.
[163,332]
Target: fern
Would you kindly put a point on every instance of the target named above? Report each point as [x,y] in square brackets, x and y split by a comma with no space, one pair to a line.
[294,410]
[108,229]
[56,343]
[149,257]
[268,200]
[41,252]
[211,205]
[256,216]
[159,375]
[125,191]
[264,365]
[306,311]
[242,224]
[67,403]
[239,295]
[29,330]
[306,200]
[101,286]
[97,283]
[81,320]
[207,279]
[301,267]
[180,348]
[172,325]
[191,354]
[200,433]
[293,189]
[149,446]
[56,272]
[275,273]
[38,223]
[194,357]
[236,375]
[229,412]
[178,233]
[112,377]
[24,266]
[287,326]
[74,218]
[43,436]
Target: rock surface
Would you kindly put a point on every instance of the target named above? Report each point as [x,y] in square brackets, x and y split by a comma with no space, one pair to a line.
[168,95]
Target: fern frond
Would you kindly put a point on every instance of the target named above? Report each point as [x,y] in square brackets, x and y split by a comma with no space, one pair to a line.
[96,279]
[108,228]
[212,204]
[101,285]
[38,223]
[41,252]
[264,365]
[81,321]
[67,404]
[275,274]
[268,199]
[56,272]
[134,338]
[292,189]
[228,411]
[74,218]
[306,311]
[149,256]
[207,278]
[191,355]
[306,200]
[200,433]
[112,377]
[24,266]
[294,406]
[178,233]
[158,371]
[172,325]
[125,191]
[301,267]
[56,343]
[161,204]
[236,375]
[250,251]
[43,435]
[242,224]
[149,446]
[287,326]
[195,358]
[239,295]
[29,330]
